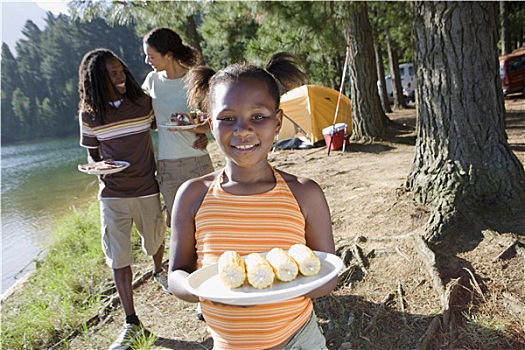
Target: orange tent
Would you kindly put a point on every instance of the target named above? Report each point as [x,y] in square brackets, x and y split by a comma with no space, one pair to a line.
[309,109]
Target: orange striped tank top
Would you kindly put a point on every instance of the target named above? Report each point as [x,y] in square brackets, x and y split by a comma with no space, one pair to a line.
[249,224]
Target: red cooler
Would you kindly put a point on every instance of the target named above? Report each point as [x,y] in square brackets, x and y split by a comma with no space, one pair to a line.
[336,133]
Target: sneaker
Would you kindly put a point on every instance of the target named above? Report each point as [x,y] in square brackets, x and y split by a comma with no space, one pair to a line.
[129,333]
[162,280]
[198,312]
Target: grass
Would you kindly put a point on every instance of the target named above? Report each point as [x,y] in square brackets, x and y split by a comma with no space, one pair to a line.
[67,289]
[484,331]
[489,329]
[64,290]
[144,341]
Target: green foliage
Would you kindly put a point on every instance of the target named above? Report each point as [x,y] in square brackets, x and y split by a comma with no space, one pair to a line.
[516,19]
[39,96]
[39,85]
[180,16]
[396,20]
[60,295]
[227,28]
[315,31]
[173,14]
[22,109]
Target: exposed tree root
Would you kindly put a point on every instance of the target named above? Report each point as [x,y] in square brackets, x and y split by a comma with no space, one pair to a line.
[451,308]
[401,301]
[454,297]
[429,259]
[349,322]
[387,238]
[347,275]
[424,341]
[406,257]
[354,261]
[475,284]
[520,249]
[374,319]
[510,251]
[359,257]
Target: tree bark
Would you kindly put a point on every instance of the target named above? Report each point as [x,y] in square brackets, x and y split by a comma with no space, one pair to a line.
[397,89]
[381,79]
[463,166]
[368,119]
[194,36]
[504,23]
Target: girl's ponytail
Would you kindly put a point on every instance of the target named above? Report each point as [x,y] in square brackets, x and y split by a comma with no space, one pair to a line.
[198,85]
[286,70]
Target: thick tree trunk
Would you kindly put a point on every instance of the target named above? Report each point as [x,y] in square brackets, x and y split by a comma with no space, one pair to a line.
[463,166]
[368,118]
[381,80]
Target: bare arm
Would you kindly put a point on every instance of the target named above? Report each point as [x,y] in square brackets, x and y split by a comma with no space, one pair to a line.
[94,155]
[182,254]
[316,212]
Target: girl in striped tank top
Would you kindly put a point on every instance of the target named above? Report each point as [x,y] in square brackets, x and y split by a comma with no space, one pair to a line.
[249,206]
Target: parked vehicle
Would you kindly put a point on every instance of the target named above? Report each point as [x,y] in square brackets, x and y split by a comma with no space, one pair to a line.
[512,72]
[406,72]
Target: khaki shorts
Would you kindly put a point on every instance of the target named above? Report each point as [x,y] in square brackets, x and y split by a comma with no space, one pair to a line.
[172,173]
[117,218]
[308,337]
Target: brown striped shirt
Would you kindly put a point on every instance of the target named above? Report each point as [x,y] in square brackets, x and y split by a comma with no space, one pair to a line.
[124,136]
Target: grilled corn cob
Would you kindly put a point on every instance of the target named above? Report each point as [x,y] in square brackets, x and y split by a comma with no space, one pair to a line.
[284,267]
[309,263]
[231,269]
[259,271]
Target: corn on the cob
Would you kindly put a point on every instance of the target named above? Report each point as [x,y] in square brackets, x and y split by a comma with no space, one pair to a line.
[309,263]
[259,271]
[231,269]
[284,267]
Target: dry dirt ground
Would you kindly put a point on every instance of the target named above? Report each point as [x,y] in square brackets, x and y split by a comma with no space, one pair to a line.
[387,298]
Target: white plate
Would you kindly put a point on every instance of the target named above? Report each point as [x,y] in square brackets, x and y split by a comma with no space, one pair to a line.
[177,126]
[88,168]
[205,283]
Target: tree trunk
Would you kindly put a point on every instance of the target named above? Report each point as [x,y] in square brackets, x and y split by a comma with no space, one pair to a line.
[463,166]
[368,118]
[194,36]
[505,31]
[397,89]
[381,79]
[339,71]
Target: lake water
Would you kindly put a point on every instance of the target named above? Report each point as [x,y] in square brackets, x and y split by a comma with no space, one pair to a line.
[40,184]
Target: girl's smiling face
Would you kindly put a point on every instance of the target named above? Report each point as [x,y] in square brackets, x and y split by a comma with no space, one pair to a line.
[245,120]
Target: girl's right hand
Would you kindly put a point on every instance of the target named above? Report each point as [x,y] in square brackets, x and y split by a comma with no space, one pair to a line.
[201,142]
